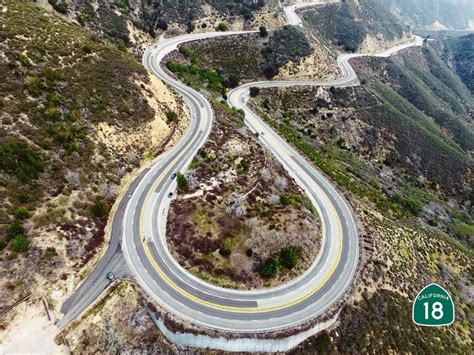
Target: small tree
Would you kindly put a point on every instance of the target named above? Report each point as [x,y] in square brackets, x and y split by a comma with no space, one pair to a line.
[222,27]
[190,27]
[269,269]
[234,81]
[100,208]
[162,24]
[254,91]
[290,256]
[171,116]
[270,71]
[263,31]
[21,213]
[14,229]
[182,182]
[20,244]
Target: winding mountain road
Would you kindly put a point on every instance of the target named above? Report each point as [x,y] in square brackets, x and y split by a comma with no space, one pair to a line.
[140,221]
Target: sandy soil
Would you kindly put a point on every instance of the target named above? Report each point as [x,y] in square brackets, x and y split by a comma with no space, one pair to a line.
[31,332]
[378,43]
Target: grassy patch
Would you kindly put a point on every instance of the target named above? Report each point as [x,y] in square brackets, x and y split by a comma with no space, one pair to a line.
[197,77]
[337,172]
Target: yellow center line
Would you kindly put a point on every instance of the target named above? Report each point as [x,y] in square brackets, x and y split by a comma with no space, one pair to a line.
[217,306]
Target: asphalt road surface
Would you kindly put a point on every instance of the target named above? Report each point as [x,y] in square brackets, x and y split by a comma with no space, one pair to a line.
[141,221]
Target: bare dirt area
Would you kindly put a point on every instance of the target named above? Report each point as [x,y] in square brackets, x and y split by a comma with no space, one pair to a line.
[240,211]
[31,332]
[119,323]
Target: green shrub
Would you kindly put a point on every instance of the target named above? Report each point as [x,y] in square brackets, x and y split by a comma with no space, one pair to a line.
[269,269]
[17,157]
[290,256]
[87,49]
[227,245]
[14,229]
[12,255]
[122,46]
[171,116]
[263,31]
[23,58]
[222,26]
[21,213]
[19,244]
[100,208]
[464,229]
[61,7]
[49,254]
[182,182]
[121,3]
[196,76]
[411,203]
[285,200]
[254,91]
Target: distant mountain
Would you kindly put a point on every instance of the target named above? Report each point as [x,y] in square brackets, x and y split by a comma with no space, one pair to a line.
[354,25]
[460,52]
[434,14]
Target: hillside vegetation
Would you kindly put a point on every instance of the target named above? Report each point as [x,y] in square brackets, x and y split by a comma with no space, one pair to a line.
[239,220]
[75,119]
[459,52]
[399,147]
[402,140]
[348,24]
[249,56]
[433,88]
[452,14]
[110,17]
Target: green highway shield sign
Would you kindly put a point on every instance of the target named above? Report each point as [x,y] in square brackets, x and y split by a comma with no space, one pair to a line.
[433,307]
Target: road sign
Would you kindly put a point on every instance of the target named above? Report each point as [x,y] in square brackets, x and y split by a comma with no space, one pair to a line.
[433,307]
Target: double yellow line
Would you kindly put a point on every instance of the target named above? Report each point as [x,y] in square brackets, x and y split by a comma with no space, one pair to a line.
[220,307]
